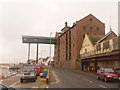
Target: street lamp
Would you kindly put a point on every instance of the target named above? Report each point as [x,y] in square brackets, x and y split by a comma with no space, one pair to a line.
[50,44]
[42,55]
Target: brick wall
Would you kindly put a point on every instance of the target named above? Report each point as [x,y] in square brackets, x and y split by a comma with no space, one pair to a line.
[87,25]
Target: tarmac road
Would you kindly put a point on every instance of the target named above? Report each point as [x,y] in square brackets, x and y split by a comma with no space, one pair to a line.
[67,78]
[14,82]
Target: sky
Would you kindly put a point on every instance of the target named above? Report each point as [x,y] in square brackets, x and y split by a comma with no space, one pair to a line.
[40,17]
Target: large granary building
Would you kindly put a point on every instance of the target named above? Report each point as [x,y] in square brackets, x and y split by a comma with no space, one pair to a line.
[69,40]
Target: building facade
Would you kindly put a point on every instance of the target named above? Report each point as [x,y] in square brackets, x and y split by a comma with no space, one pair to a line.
[69,40]
[106,53]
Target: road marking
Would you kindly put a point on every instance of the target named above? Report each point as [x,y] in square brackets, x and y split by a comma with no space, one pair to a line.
[83,78]
[56,78]
[88,80]
[102,86]
[14,84]
[77,75]
[35,87]
[1,80]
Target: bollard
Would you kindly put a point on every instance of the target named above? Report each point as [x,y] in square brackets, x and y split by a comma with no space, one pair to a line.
[45,76]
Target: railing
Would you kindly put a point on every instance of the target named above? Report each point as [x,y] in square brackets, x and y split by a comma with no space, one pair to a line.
[102,50]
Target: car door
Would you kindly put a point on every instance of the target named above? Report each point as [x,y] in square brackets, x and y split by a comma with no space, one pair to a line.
[101,73]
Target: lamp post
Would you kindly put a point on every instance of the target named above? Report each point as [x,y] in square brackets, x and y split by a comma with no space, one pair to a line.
[37,54]
[29,51]
[42,55]
[50,44]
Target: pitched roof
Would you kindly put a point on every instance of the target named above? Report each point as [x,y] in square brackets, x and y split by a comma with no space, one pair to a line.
[94,38]
[90,15]
[68,27]
[103,38]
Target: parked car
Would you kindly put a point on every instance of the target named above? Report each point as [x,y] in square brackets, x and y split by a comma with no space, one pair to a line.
[118,70]
[107,74]
[39,69]
[4,87]
[29,73]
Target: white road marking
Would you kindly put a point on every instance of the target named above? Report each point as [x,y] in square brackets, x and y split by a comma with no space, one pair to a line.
[56,78]
[1,80]
[102,86]
[90,81]
[35,87]
[77,75]
[14,84]
[83,78]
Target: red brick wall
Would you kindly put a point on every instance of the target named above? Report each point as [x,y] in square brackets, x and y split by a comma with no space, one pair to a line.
[77,33]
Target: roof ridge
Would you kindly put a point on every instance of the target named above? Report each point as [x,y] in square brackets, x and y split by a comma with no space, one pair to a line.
[105,36]
[88,16]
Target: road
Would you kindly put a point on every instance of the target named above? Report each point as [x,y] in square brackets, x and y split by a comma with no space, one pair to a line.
[72,79]
[14,82]
[65,78]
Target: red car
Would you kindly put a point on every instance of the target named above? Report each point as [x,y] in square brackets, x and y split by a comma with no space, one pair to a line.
[39,69]
[118,70]
[107,74]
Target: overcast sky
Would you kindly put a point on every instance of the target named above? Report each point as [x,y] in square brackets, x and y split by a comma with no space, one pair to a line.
[40,17]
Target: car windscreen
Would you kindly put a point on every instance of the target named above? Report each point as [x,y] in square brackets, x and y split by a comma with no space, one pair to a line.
[108,70]
[118,70]
[29,69]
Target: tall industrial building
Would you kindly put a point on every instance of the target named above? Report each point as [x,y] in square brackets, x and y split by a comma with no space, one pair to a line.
[69,40]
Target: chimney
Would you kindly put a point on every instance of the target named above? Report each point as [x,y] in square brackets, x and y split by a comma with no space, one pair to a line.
[74,23]
[66,24]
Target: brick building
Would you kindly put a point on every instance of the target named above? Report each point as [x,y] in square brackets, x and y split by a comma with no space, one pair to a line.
[69,40]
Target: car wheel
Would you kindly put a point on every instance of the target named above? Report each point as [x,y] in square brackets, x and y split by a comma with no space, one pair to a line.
[98,77]
[105,79]
[21,80]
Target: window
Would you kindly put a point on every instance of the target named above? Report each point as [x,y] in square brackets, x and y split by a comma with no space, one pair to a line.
[83,36]
[85,50]
[98,47]
[91,28]
[66,46]
[109,70]
[70,45]
[97,28]
[84,28]
[106,45]
[115,43]
[90,19]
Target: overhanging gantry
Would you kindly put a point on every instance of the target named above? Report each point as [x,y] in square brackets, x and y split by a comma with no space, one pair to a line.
[38,39]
